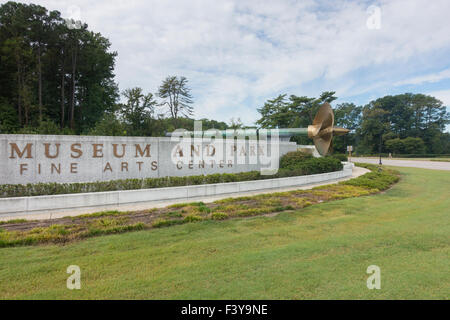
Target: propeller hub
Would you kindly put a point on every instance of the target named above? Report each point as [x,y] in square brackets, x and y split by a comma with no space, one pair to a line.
[322,129]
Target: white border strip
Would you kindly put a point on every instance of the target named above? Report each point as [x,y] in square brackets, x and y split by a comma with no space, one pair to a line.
[57,203]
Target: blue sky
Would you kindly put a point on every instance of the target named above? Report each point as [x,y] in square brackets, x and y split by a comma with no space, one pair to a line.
[237,54]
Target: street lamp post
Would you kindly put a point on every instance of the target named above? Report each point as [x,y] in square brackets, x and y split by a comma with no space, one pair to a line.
[379,147]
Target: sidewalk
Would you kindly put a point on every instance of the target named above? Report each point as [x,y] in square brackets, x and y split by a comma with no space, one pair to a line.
[434,165]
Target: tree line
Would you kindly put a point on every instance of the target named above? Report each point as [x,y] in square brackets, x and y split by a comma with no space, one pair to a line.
[57,77]
[52,71]
[405,123]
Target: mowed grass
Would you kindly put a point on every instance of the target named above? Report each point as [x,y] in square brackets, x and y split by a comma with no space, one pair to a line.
[318,252]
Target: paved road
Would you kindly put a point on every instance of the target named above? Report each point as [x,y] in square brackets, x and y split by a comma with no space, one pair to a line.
[436,165]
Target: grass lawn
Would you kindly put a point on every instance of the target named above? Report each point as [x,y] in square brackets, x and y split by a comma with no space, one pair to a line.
[321,251]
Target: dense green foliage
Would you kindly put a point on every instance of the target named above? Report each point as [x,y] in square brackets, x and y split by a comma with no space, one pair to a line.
[295,112]
[340,156]
[380,178]
[57,77]
[401,117]
[308,165]
[51,71]
[293,159]
[405,146]
[405,123]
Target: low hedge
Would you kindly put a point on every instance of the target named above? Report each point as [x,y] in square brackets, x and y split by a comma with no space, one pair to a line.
[291,165]
[294,159]
[308,164]
[379,178]
[340,156]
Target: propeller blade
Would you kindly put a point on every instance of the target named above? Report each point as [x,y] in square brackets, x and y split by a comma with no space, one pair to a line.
[321,131]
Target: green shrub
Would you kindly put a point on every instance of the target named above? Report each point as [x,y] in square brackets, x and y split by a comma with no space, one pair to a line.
[204,209]
[195,180]
[192,218]
[212,178]
[300,163]
[45,127]
[174,214]
[14,221]
[109,125]
[379,178]
[408,145]
[292,164]
[165,223]
[292,159]
[219,216]
[340,156]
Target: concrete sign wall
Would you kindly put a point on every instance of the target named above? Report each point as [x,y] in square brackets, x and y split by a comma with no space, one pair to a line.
[45,158]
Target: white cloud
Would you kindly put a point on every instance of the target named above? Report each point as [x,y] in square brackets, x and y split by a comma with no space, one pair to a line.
[431,78]
[443,95]
[237,53]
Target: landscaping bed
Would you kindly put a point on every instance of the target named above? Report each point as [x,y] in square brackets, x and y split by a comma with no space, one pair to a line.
[62,230]
[291,164]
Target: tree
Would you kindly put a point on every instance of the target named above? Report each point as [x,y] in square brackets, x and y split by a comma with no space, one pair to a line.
[306,108]
[16,51]
[39,26]
[213,124]
[408,145]
[49,72]
[176,96]
[346,115]
[97,91]
[275,113]
[109,125]
[404,115]
[8,122]
[293,113]
[373,126]
[394,145]
[413,145]
[137,111]
[236,123]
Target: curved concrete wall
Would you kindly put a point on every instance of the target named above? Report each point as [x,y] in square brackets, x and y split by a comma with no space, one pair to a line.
[57,203]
